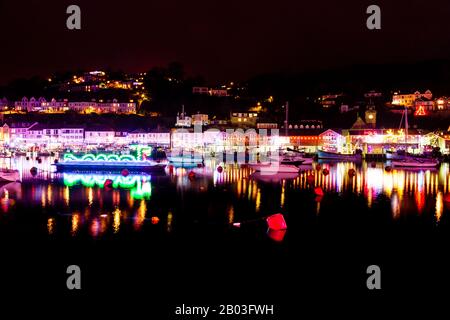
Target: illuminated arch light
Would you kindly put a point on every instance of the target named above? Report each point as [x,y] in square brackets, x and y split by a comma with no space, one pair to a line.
[113,157]
[88,157]
[69,156]
[101,157]
[127,157]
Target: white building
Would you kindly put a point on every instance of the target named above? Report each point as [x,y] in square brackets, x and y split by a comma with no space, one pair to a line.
[153,137]
[41,105]
[18,131]
[99,135]
[50,135]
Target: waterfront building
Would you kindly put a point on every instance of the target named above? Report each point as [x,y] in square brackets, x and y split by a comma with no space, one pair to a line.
[433,140]
[335,141]
[18,131]
[99,135]
[154,137]
[378,141]
[53,136]
[307,140]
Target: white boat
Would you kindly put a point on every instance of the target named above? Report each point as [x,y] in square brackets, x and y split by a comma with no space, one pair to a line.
[295,157]
[274,168]
[321,154]
[9,175]
[410,162]
[396,155]
[186,158]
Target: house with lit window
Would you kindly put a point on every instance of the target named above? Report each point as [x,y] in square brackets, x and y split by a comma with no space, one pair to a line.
[442,104]
[307,140]
[408,100]
[41,105]
[335,141]
[155,137]
[68,134]
[53,135]
[18,131]
[29,105]
[99,134]
[244,119]
[54,106]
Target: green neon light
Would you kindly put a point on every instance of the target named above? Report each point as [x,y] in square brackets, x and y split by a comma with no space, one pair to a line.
[139,186]
[103,157]
[140,152]
[143,190]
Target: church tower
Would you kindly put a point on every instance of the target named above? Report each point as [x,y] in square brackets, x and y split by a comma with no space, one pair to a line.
[371,116]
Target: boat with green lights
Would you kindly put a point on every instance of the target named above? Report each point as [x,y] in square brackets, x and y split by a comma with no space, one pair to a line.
[139,159]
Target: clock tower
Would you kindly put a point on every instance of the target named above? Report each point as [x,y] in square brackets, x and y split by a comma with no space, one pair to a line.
[371,116]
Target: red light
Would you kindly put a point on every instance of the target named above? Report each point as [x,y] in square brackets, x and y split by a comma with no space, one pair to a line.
[155,220]
[318,191]
[276,222]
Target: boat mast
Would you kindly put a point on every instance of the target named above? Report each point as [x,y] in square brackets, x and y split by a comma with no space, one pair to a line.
[287,119]
[406,128]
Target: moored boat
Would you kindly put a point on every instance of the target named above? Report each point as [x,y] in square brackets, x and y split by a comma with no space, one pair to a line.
[185,159]
[296,161]
[295,157]
[321,154]
[9,175]
[395,155]
[113,166]
[410,162]
[111,162]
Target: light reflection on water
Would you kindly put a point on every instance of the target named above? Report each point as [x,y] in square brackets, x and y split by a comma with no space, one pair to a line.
[77,202]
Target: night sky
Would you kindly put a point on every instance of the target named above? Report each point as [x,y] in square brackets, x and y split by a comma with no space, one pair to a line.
[222,40]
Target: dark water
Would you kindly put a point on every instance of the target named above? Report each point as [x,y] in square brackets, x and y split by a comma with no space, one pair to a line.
[172,236]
